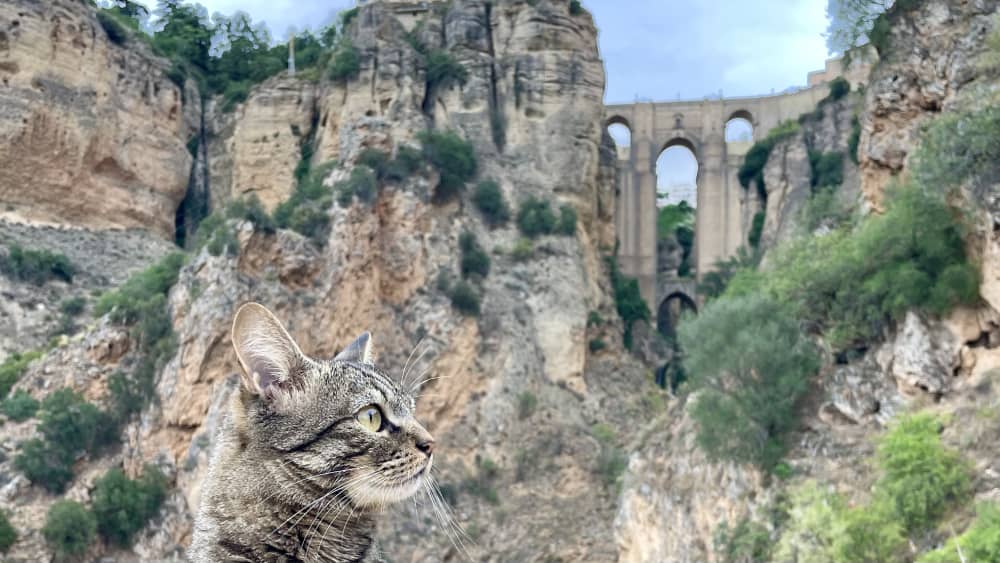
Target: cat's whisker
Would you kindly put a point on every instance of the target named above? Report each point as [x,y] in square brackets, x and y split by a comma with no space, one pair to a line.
[406,384]
[406,365]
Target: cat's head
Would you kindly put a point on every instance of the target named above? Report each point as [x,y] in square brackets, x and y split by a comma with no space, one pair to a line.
[332,423]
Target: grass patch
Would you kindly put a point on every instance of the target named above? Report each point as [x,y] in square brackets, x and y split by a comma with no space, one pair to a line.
[527,402]
[611,460]
[523,250]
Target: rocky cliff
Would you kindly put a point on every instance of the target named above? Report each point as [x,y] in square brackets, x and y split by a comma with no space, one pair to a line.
[517,392]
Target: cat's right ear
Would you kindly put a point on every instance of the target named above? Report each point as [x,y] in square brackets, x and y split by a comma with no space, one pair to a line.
[269,357]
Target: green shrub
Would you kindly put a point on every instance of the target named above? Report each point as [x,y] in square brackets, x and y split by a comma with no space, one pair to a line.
[20,406]
[483,483]
[71,424]
[961,146]
[117,32]
[756,229]
[981,542]
[814,518]
[36,266]
[747,541]
[567,221]
[407,162]
[921,479]
[235,94]
[488,198]
[73,306]
[869,534]
[597,344]
[526,405]
[13,368]
[839,87]
[535,218]
[122,506]
[127,304]
[346,62]
[444,70]
[825,209]
[348,16]
[362,184]
[69,528]
[611,460]
[306,211]
[628,300]
[475,261]
[827,168]
[575,8]
[756,158]
[751,365]
[465,299]
[851,284]
[216,236]
[854,140]
[251,209]
[44,465]
[671,217]
[523,250]
[8,535]
[453,157]
[375,159]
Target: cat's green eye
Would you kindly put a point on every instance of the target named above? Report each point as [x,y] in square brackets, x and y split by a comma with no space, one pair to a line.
[371,418]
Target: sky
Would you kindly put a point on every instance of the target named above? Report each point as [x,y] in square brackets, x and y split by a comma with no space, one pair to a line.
[654,49]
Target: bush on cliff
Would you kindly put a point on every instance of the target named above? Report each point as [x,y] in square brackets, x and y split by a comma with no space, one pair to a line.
[123,506]
[13,368]
[488,198]
[752,169]
[475,262]
[36,266]
[69,528]
[981,542]
[453,157]
[750,364]
[8,535]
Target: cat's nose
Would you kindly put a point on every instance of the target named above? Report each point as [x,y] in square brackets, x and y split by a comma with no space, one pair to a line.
[426,445]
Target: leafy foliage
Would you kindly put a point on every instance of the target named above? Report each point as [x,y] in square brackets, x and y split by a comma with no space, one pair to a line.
[921,478]
[714,282]
[671,217]
[853,21]
[123,506]
[444,70]
[611,460]
[361,184]
[465,299]
[475,261]
[981,542]
[958,147]
[117,31]
[523,250]
[488,198]
[8,535]
[13,368]
[851,284]
[747,541]
[535,218]
[346,62]
[628,299]
[827,168]
[567,221]
[453,157]
[36,266]
[839,88]
[756,158]
[305,211]
[575,8]
[69,528]
[69,425]
[756,229]
[869,534]
[20,406]
[814,515]
[751,365]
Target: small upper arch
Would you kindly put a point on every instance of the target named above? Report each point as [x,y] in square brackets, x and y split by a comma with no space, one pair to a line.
[739,127]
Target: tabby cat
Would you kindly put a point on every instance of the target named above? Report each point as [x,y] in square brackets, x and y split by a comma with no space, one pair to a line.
[310,453]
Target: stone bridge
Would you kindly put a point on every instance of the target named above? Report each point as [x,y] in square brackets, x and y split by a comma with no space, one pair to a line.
[724,209]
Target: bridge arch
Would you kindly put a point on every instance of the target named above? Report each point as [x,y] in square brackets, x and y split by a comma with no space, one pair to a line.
[672,309]
[677,170]
[621,133]
[740,127]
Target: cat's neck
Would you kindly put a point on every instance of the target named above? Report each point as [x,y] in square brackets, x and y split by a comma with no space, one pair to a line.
[330,530]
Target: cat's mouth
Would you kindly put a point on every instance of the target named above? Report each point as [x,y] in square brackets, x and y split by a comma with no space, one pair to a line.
[389,492]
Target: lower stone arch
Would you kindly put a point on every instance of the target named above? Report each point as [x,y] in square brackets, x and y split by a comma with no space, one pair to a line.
[670,311]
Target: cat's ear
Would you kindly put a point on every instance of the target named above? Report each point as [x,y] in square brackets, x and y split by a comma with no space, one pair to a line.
[268,355]
[358,351]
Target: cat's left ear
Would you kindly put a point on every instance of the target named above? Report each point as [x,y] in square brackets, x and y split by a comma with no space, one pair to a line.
[358,351]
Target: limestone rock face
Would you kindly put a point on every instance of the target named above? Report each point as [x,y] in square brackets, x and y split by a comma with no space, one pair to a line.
[787,174]
[93,133]
[255,148]
[934,51]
